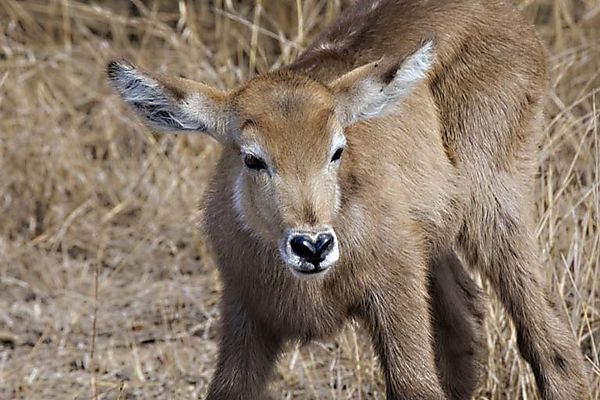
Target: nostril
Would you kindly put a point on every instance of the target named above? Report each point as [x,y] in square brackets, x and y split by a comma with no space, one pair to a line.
[303,247]
[324,244]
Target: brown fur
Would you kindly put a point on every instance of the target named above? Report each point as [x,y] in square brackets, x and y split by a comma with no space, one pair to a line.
[448,169]
[459,336]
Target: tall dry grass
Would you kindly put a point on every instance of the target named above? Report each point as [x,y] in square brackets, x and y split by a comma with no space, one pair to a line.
[106,288]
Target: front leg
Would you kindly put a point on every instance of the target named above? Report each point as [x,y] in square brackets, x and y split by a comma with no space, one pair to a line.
[247,355]
[397,315]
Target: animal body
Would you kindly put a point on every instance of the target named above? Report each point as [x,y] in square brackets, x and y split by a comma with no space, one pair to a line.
[349,180]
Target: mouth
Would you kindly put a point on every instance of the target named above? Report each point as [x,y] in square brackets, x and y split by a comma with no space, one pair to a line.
[310,270]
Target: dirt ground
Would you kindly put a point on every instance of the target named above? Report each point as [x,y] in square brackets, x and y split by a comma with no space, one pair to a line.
[107,289]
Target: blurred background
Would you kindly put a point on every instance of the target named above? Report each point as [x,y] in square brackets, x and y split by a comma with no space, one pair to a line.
[106,287]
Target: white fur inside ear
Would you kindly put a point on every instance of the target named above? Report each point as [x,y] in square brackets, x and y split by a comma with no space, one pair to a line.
[373,98]
[150,100]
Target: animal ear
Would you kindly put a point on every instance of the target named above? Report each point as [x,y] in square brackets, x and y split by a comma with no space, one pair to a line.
[171,104]
[373,89]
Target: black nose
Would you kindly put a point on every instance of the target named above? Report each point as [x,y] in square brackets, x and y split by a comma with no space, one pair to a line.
[313,251]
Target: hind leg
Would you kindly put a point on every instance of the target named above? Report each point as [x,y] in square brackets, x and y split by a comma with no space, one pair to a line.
[497,241]
[457,305]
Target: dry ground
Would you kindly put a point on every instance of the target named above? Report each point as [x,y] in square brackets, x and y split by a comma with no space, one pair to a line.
[106,287]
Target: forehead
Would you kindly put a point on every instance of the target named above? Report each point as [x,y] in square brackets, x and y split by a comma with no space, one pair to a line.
[286,114]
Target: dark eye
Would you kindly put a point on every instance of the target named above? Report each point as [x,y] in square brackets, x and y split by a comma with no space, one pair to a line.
[337,155]
[253,162]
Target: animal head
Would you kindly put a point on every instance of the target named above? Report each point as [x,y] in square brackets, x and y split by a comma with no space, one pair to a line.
[288,130]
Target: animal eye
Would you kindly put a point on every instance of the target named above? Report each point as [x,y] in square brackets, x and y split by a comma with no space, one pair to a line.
[253,162]
[337,155]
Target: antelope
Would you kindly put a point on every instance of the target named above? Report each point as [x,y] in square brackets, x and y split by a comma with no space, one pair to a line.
[352,183]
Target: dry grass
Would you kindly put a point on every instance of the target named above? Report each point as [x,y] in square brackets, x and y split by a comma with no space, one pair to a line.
[106,288]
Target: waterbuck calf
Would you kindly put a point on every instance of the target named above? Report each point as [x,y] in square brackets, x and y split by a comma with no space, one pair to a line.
[407,131]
